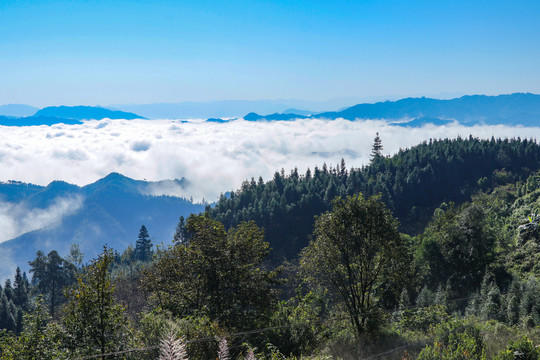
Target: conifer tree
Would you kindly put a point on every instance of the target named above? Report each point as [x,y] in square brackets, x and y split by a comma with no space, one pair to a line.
[20,289]
[180,235]
[8,289]
[143,247]
[377,147]
[51,273]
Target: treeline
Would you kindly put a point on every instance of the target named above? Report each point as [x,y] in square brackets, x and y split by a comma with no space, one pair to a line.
[14,301]
[464,284]
[412,184]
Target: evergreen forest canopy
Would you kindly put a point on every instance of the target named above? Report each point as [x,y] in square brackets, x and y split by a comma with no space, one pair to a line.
[413,183]
[429,254]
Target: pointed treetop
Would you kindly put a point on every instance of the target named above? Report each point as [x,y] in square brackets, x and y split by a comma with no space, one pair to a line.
[377,147]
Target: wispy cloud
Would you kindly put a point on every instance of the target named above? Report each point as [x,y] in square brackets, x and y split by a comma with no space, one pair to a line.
[214,157]
[19,218]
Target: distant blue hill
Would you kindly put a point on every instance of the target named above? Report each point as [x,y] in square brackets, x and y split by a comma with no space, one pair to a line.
[109,211]
[217,120]
[513,109]
[85,113]
[35,121]
[419,122]
[232,108]
[17,110]
[298,112]
[273,117]
[69,115]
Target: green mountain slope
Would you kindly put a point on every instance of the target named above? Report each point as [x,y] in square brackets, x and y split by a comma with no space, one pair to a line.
[412,184]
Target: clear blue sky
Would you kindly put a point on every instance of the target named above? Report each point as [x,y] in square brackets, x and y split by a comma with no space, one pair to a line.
[106,52]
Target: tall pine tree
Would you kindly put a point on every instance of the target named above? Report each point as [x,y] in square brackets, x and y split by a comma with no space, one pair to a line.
[20,289]
[377,147]
[181,235]
[143,247]
[51,273]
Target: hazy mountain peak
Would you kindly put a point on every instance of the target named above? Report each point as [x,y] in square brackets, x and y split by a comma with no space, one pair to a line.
[85,113]
[110,210]
[17,110]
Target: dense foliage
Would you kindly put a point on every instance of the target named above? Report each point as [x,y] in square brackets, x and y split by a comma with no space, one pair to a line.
[412,184]
[464,283]
[218,274]
[14,300]
[359,255]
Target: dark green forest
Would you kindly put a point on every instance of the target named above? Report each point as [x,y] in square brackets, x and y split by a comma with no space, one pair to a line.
[431,253]
[412,183]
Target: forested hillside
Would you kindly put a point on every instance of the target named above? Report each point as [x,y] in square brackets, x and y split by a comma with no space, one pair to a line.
[108,211]
[462,284]
[412,184]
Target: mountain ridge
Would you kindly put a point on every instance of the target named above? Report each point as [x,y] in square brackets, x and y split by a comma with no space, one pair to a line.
[108,211]
[508,109]
[85,113]
[17,110]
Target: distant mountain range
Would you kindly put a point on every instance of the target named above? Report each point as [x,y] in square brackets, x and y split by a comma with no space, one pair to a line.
[274,117]
[109,211]
[513,109]
[233,108]
[69,115]
[85,113]
[17,110]
[35,121]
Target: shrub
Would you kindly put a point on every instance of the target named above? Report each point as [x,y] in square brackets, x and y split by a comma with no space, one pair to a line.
[455,341]
[522,349]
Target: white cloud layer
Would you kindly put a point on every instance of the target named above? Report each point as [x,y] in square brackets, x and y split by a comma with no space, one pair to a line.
[215,157]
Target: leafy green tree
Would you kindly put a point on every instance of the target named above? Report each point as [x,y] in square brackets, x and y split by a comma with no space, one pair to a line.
[457,248]
[297,328]
[359,256]
[218,274]
[41,339]
[51,273]
[143,247]
[93,321]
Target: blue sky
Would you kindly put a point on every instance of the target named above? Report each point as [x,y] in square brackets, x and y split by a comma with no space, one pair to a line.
[105,52]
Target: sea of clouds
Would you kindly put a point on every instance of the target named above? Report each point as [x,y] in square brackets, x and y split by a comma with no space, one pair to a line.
[214,157]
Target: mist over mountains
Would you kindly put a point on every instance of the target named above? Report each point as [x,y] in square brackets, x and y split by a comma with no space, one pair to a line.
[512,109]
[109,211]
[216,156]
